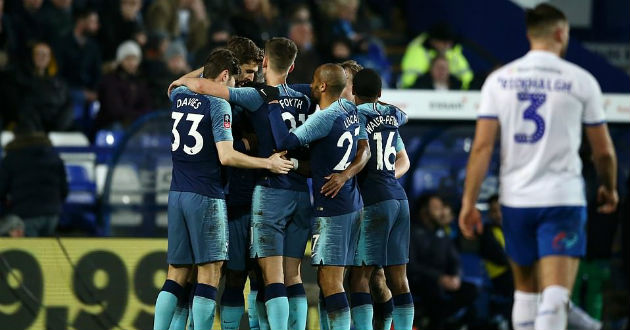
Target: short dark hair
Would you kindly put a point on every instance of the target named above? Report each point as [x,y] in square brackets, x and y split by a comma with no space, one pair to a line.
[366,83]
[83,13]
[281,53]
[424,200]
[245,50]
[219,60]
[542,17]
[493,199]
[352,66]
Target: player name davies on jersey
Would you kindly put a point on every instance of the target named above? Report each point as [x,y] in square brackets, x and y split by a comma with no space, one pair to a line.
[377,121]
[189,101]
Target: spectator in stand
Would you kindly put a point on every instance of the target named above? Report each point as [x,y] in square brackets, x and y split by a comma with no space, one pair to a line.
[123,95]
[256,20]
[434,268]
[8,93]
[46,104]
[340,50]
[440,40]
[301,32]
[58,19]
[29,26]
[11,226]
[219,34]
[120,24]
[184,20]
[439,78]
[79,58]
[33,183]
[174,65]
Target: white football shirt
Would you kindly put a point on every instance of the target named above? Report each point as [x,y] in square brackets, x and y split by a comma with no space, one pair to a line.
[541,102]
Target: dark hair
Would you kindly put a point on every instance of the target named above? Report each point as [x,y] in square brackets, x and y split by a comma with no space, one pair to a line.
[541,17]
[425,199]
[281,53]
[84,13]
[219,60]
[442,31]
[245,50]
[366,83]
[493,199]
[352,66]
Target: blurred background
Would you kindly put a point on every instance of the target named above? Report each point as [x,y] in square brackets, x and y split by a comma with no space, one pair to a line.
[83,110]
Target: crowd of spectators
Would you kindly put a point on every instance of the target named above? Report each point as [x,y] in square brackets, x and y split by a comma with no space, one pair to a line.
[96,64]
[111,61]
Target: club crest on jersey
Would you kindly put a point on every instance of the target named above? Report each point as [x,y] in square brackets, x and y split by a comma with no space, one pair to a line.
[226,121]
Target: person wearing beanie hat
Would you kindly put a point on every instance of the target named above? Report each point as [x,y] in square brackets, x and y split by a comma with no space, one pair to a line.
[123,94]
[127,49]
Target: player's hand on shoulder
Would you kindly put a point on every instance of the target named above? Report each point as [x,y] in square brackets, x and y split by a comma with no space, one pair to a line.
[172,86]
[470,221]
[279,164]
[607,200]
[334,184]
[268,93]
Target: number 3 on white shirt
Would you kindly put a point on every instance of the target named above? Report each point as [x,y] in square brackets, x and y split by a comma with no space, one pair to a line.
[195,119]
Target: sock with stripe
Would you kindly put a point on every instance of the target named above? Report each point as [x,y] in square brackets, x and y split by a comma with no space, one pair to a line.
[166,303]
[252,313]
[524,310]
[277,306]
[180,317]
[261,309]
[553,309]
[323,314]
[361,310]
[338,311]
[203,307]
[232,308]
[403,311]
[298,307]
[383,315]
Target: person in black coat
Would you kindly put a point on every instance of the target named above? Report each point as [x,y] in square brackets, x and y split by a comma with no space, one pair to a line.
[33,182]
[434,266]
[46,104]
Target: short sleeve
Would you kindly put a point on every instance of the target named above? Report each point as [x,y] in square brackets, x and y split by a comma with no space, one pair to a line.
[362,125]
[221,120]
[401,116]
[399,144]
[177,91]
[593,104]
[317,126]
[246,97]
[487,106]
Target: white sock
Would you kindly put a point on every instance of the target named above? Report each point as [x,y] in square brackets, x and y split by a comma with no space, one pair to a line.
[524,310]
[552,312]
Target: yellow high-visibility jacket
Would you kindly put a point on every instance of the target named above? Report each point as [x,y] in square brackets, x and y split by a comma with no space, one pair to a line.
[417,61]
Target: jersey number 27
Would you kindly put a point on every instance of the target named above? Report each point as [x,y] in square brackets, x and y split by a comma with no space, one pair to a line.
[346,136]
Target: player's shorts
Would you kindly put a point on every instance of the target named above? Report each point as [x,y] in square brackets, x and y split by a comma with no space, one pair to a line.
[281,222]
[384,234]
[535,232]
[238,250]
[335,239]
[197,229]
